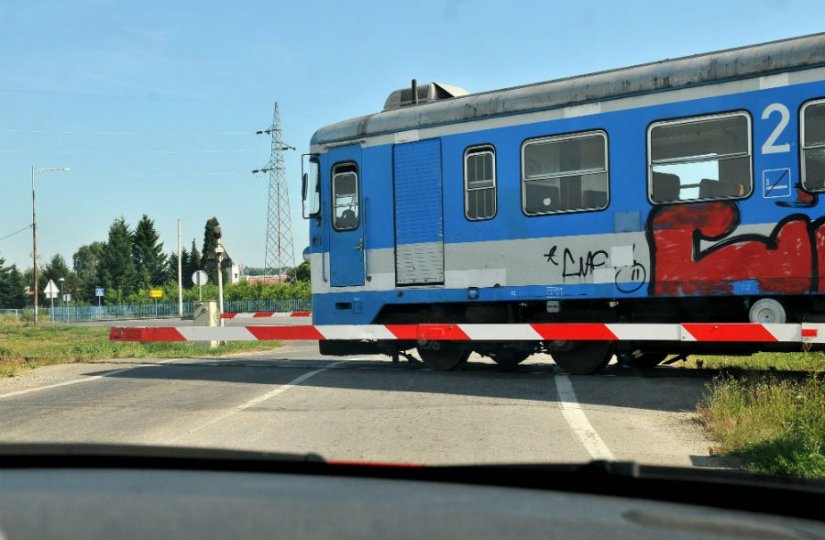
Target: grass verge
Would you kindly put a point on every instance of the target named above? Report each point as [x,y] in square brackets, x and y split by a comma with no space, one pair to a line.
[776,425]
[24,347]
[810,362]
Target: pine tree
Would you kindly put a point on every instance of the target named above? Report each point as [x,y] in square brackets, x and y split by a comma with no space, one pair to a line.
[209,262]
[56,269]
[11,287]
[86,264]
[191,263]
[117,268]
[171,273]
[147,252]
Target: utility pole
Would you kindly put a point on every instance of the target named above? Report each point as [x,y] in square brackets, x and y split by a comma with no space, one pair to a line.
[36,170]
[279,254]
[180,272]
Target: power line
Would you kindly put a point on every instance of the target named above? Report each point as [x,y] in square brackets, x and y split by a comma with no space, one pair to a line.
[145,175]
[123,133]
[195,151]
[16,232]
[151,97]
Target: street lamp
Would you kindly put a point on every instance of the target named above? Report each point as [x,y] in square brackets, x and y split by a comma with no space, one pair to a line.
[219,253]
[36,170]
[62,296]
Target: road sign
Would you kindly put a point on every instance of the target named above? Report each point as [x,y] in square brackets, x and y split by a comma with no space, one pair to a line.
[199,277]
[51,291]
[99,291]
[67,297]
[155,293]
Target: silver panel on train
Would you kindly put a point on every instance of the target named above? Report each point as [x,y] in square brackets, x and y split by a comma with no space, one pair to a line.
[419,264]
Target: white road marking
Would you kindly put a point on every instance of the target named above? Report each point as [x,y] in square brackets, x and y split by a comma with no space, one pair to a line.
[578,422]
[252,402]
[78,381]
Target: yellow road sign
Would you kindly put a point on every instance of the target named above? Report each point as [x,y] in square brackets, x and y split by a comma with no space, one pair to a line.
[155,293]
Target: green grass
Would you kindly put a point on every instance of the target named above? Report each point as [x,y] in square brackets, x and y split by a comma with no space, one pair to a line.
[24,347]
[776,425]
[799,361]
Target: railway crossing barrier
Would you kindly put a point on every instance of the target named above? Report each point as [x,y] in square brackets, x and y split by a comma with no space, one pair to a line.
[688,332]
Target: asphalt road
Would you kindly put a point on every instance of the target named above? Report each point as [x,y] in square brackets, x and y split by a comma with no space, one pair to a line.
[365,408]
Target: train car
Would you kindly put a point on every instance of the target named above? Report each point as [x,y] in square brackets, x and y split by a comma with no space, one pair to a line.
[677,191]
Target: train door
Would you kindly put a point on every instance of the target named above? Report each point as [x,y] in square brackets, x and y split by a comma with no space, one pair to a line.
[419,222]
[346,236]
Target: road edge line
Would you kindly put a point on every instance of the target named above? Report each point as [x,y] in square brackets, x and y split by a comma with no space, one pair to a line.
[573,413]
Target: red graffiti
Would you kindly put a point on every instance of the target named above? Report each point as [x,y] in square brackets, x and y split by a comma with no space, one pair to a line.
[779,263]
[819,242]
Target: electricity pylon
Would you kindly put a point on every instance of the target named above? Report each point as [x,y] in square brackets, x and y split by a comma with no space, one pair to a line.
[279,256]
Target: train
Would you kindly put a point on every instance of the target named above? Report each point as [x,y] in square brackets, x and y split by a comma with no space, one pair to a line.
[675,191]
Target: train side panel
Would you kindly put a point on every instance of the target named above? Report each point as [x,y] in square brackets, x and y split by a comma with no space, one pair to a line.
[768,240]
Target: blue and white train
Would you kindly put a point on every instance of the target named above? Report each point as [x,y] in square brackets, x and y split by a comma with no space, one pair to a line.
[676,191]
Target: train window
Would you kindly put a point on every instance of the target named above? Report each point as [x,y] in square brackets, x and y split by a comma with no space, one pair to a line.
[345,197]
[480,182]
[565,174]
[700,158]
[813,146]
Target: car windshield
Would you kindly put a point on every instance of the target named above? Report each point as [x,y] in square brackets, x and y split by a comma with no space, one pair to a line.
[226,226]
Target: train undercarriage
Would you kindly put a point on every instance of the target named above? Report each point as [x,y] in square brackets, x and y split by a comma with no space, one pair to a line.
[586,357]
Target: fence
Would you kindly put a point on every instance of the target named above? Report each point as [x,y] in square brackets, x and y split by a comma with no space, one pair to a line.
[66,314]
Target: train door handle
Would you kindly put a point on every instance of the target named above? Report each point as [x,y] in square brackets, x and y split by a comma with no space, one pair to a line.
[360,245]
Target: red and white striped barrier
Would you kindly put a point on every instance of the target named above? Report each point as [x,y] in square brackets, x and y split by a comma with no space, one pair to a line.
[265,314]
[699,332]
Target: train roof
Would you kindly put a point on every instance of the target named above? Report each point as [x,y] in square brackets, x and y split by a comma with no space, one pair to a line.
[696,70]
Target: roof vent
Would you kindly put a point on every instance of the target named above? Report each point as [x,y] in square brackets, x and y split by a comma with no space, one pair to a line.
[425,93]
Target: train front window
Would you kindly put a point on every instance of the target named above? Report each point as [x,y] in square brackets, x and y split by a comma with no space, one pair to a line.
[813,146]
[480,183]
[345,197]
[565,174]
[700,158]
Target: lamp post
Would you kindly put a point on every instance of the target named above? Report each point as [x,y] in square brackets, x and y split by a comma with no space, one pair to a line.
[219,251]
[62,297]
[36,170]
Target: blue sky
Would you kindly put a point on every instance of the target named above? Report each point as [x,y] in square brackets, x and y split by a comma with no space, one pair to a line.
[154,105]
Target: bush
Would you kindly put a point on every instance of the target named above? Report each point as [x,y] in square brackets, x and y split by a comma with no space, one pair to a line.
[776,425]
[239,291]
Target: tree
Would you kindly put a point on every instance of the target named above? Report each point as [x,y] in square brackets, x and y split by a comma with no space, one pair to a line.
[86,264]
[117,268]
[12,295]
[147,252]
[171,273]
[191,261]
[57,268]
[300,272]
[209,261]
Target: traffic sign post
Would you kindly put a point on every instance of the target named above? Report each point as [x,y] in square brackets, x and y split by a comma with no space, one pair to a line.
[51,291]
[156,293]
[199,278]
[99,292]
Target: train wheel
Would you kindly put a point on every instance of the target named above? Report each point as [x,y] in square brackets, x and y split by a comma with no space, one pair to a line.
[442,355]
[584,357]
[509,358]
